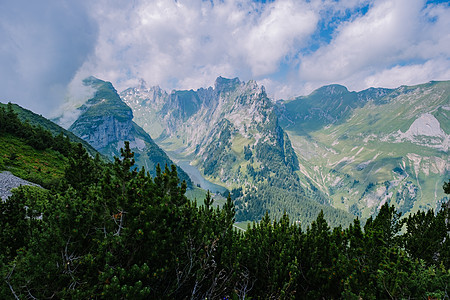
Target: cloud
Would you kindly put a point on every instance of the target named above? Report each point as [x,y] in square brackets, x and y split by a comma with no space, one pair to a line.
[292,46]
[177,44]
[438,69]
[394,39]
[283,27]
[77,93]
[43,44]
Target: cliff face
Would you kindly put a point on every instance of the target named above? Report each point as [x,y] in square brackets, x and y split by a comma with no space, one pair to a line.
[104,130]
[104,119]
[214,125]
[106,122]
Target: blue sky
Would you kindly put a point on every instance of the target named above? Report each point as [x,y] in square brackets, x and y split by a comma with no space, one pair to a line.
[289,46]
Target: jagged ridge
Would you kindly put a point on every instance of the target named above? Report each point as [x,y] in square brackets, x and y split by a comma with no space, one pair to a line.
[231,133]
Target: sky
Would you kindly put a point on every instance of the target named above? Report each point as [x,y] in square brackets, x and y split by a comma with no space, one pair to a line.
[290,46]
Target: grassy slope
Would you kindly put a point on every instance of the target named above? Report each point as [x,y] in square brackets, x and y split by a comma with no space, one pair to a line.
[345,159]
[38,120]
[41,167]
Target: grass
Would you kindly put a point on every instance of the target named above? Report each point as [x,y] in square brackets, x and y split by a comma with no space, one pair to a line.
[242,225]
[42,167]
[239,142]
[196,194]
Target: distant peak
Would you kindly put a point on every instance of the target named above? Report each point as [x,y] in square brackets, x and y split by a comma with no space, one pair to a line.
[142,85]
[333,89]
[96,83]
[90,80]
[225,84]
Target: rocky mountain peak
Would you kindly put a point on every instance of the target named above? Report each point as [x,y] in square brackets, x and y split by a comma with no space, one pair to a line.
[142,85]
[105,118]
[224,84]
[373,93]
[106,122]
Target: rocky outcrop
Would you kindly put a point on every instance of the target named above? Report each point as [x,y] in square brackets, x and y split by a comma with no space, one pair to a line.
[195,121]
[104,130]
[8,182]
[425,131]
[106,122]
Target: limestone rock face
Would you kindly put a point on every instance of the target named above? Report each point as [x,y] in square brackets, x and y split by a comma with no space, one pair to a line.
[106,122]
[104,130]
[213,125]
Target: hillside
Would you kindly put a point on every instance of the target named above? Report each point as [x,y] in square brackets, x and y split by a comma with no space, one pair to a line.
[33,119]
[365,148]
[109,231]
[44,167]
[30,152]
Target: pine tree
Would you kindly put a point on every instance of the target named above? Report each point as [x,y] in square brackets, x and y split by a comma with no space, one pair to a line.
[446,187]
[81,171]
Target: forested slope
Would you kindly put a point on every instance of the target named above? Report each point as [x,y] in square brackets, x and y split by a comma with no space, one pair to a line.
[36,120]
[31,152]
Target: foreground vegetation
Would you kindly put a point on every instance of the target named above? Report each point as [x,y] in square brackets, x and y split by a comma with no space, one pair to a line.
[109,231]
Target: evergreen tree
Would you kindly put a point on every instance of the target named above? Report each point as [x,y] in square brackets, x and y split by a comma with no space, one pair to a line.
[446,187]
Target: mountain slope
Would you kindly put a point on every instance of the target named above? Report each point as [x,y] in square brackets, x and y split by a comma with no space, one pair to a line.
[106,122]
[378,145]
[34,119]
[231,136]
[327,105]
[30,152]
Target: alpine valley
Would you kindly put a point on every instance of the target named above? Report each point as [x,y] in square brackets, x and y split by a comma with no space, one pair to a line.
[340,151]
[346,153]
[365,148]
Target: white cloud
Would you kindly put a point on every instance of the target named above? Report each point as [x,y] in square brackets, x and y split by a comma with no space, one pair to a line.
[378,37]
[176,44]
[409,75]
[395,43]
[187,44]
[284,27]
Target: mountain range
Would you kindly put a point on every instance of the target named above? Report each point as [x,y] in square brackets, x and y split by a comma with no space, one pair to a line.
[335,150]
[365,148]
[230,134]
[350,150]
